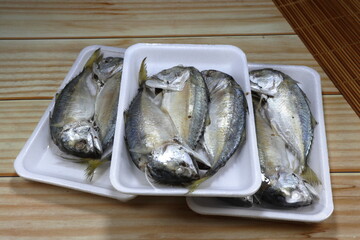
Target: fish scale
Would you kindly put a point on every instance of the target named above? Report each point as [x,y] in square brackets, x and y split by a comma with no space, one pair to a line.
[227,114]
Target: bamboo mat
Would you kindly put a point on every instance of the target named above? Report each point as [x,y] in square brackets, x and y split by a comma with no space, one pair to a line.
[330,29]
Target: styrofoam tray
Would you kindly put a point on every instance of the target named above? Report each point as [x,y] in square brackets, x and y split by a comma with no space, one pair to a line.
[37,161]
[318,161]
[241,175]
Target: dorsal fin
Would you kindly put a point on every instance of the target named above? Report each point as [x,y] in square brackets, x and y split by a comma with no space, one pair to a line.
[94,57]
[142,72]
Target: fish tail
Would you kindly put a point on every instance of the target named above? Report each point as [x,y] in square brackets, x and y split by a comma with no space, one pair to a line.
[142,72]
[92,165]
[94,57]
[310,176]
[196,184]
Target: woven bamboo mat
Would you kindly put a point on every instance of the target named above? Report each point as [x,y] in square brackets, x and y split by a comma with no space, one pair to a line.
[330,29]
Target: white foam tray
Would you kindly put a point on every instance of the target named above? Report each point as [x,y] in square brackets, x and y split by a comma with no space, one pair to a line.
[241,175]
[318,161]
[37,162]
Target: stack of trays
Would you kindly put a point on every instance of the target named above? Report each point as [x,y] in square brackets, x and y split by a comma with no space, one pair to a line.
[241,176]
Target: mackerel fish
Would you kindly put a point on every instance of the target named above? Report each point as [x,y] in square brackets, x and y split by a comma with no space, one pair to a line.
[226,128]
[71,121]
[153,141]
[281,186]
[106,112]
[185,98]
[82,123]
[287,111]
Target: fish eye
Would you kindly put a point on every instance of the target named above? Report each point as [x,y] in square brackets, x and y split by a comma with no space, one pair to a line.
[80,144]
[183,164]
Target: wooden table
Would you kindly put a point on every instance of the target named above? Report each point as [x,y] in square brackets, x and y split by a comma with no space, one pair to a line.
[39,42]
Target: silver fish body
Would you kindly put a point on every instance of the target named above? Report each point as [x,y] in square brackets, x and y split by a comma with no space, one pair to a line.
[281,186]
[71,125]
[185,98]
[153,142]
[288,112]
[227,116]
[106,111]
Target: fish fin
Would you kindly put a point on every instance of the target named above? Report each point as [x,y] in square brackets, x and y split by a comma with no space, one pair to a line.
[143,72]
[197,156]
[246,105]
[125,115]
[310,176]
[59,124]
[261,101]
[312,190]
[151,181]
[92,165]
[107,153]
[192,187]
[313,121]
[158,99]
[94,57]
[140,150]
[207,120]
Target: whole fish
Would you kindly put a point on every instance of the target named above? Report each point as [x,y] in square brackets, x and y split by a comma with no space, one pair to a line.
[154,143]
[281,186]
[287,111]
[227,119]
[185,98]
[105,68]
[71,122]
[106,111]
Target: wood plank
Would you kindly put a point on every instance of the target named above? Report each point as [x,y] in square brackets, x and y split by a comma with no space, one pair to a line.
[34,69]
[330,30]
[19,118]
[343,131]
[31,19]
[30,210]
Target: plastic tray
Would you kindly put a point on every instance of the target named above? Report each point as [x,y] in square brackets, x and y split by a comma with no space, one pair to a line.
[37,162]
[318,161]
[241,175]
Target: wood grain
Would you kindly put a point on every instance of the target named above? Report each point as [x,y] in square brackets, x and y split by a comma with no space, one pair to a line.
[19,118]
[341,138]
[78,19]
[34,69]
[40,211]
[39,41]
[330,30]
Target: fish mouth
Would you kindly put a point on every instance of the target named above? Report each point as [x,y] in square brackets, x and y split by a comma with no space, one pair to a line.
[169,177]
[289,191]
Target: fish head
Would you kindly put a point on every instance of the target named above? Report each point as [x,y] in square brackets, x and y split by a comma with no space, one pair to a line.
[171,164]
[265,81]
[173,79]
[216,80]
[81,139]
[106,67]
[289,190]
